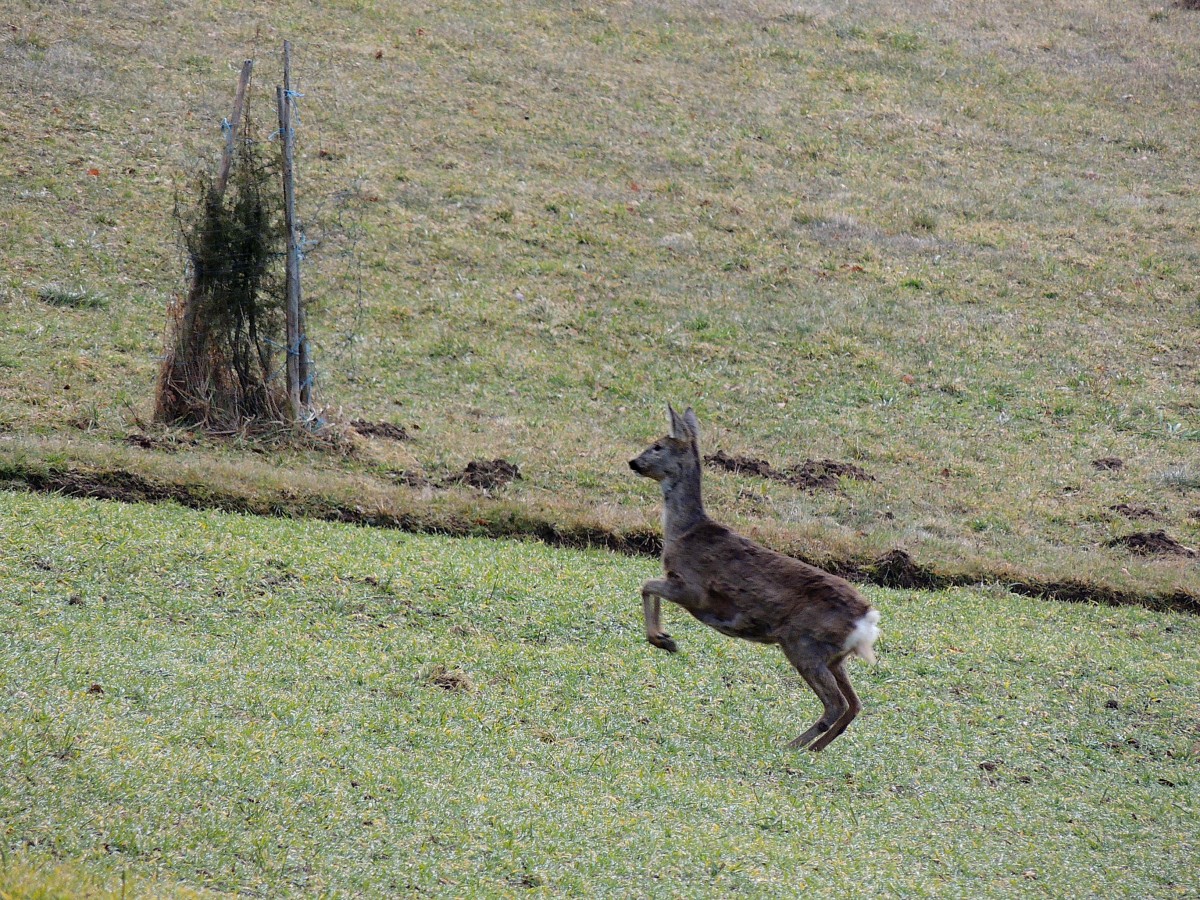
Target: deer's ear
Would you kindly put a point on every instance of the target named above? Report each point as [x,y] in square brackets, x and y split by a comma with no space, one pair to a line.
[678,427]
[689,419]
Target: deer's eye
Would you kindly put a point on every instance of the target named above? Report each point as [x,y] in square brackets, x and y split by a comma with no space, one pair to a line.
[658,446]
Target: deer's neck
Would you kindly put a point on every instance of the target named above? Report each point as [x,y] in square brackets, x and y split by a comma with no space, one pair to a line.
[682,506]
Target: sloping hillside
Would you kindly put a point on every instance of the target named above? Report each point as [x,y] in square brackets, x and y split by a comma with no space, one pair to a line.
[955,247]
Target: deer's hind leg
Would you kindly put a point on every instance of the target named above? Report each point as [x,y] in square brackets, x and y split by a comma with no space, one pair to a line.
[811,661]
[838,669]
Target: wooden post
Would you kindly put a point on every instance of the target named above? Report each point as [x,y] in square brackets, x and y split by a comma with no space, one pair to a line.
[295,339]
[303,371]
[235,122]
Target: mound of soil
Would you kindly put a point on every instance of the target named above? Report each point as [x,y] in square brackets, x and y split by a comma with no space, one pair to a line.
[1108,463]
[741,465]
[385,430]
[481,473]
[1134,511]
[812,474]
[897,569]
[1152,543]
[824,474]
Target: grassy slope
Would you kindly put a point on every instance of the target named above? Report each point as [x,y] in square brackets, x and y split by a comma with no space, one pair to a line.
[955,247]
[268,725]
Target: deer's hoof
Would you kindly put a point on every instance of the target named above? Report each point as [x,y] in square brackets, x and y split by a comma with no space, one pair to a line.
[664,642]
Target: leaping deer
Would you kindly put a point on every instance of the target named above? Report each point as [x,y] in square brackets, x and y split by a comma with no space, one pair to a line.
[748,591]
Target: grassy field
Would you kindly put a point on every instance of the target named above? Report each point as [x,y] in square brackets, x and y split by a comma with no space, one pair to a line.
[956,247]
[211,702]
[953,244]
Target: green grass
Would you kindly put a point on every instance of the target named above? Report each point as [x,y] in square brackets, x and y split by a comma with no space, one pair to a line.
[954,247]
[250,706]
[21,879]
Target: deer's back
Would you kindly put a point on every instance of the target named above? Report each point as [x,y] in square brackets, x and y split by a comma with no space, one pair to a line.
[782,594]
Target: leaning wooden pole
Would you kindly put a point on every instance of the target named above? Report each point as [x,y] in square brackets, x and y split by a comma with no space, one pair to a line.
[234,123]
[295,338]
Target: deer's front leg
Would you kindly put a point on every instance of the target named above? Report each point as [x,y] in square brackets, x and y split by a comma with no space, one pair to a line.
[652,593]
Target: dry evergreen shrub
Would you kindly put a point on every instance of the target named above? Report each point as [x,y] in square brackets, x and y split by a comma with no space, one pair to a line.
[223,368]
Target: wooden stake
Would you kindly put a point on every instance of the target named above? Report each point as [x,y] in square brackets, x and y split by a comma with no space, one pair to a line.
[284,101]
[303,371]
[235,122]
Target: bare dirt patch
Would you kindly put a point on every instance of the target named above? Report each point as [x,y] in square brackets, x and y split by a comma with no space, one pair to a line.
[385,430]
[486,475]
[1134,511]
[1152,543]
[740,465]
[812,474]
[410,478]
[825,474]
[170,443]
[452,680]
[144,441]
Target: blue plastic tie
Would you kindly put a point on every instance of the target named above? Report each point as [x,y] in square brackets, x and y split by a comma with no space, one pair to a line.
[294,95]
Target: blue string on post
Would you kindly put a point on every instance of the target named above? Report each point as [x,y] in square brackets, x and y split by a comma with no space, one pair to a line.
[293,96]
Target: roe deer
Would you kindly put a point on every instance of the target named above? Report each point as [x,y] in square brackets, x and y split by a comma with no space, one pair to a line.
[745,590]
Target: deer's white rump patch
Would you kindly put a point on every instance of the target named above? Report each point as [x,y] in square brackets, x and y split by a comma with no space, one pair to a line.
[864,635]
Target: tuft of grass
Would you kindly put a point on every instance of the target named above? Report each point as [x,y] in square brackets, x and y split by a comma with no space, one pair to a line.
[281,708]
[74,298]
[1181,478]
[924,221]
